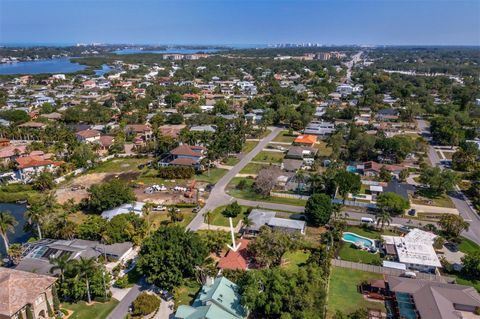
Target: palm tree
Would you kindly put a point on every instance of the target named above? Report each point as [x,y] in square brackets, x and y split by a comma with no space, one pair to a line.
[85,267]
[59,263]
[383,217]
[35,215]
[146,211]
[247,222]
[7,224]
[207,217]
[174,215]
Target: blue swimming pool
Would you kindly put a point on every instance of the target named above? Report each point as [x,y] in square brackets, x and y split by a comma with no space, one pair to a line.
[357,239]
[351,169]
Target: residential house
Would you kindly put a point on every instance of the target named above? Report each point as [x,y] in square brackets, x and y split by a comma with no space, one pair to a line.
[291,165]
[36,255]
[416,298]
[373,169]
[389,114]
[142,131]
[171,130]
[33,125]
[305,140]
[261,218]
[20,290]
[204,128]
[301,152]
[415,250]
[29,166]
[185,155]
[135,207]
[88,136]
[219,299]
[237,259]
[319,128]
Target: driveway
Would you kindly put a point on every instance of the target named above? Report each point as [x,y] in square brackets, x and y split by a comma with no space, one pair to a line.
[218,197]
[121,310]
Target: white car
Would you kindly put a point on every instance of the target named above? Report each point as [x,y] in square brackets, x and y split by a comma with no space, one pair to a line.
[160,208]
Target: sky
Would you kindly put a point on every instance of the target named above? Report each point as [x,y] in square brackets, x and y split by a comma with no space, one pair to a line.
[329,22]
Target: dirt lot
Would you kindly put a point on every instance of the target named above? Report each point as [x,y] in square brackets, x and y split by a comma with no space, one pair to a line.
[77,189]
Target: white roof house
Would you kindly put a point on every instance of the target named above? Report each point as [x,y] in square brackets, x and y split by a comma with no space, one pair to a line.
[135,207]
[415,250]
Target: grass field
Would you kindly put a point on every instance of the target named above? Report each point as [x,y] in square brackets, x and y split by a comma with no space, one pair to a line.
[269,157]
[118,165]
[185,294]
[212,177]
[428,198]
[249,146]
[96,311]
[231,161]
[323,149]
[343,294]
[468,246]
[217,218]
[293,260]
[349,252]
[367,232]
[159,218]
[283,137]
[250,194]
[252,168]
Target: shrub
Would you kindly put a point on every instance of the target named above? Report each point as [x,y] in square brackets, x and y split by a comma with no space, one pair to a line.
[145,304]
[122,282]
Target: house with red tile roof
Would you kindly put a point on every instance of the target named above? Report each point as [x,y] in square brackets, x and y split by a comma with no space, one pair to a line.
[29,166]
[21,289]
[305,140]
[373,168]
[185,155]
[88,136]
[236,259]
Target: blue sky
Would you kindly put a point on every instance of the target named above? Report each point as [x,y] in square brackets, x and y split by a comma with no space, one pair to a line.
[391,22]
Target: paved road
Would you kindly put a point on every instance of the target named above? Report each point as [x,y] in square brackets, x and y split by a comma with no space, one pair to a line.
[349,64]
[458,198]
[121,310]
[218,197]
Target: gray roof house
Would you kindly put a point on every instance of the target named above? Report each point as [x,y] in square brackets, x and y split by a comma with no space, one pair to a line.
[261,218]
[36,255]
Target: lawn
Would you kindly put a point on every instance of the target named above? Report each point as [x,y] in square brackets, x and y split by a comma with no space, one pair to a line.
[185,295]
[468,246]
[96,311]
[269,157]
[212,177]
[250,194]
[231,161]
[119,165]
[348,252]
[217,218]
[367,232]
[252,168]
[249,146]
[294,259]
[431,199]
[467,281]
[159,218]
[283,137]
[343,294]
[323,149]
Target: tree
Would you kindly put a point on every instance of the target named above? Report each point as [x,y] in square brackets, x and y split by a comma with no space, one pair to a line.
[85,267]
[270,245]
[109,195]
[7,224]
[35,215]
[29,312]
[56,301]
[437,180]
[145,304]
[471,264]
[43,181]
[392,203]
[170,255]
[453,225]
[278,293]
[83,155]
[59,264]
[347,183]
[404,175]
[15,253]
[232,210]
[266,179]
[146,212]
[466,158]
[318,209]
[174,215]
[383,217]
[385,175]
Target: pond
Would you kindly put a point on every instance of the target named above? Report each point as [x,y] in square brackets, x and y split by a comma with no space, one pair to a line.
[19,236]
[57,65]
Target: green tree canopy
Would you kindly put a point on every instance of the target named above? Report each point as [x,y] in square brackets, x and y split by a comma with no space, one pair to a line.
[109,195]
[318,209]
[392,203]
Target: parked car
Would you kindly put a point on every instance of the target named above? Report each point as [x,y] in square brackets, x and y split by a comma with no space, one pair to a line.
[166,295]
[412,212]
[159,208]
[196,209]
